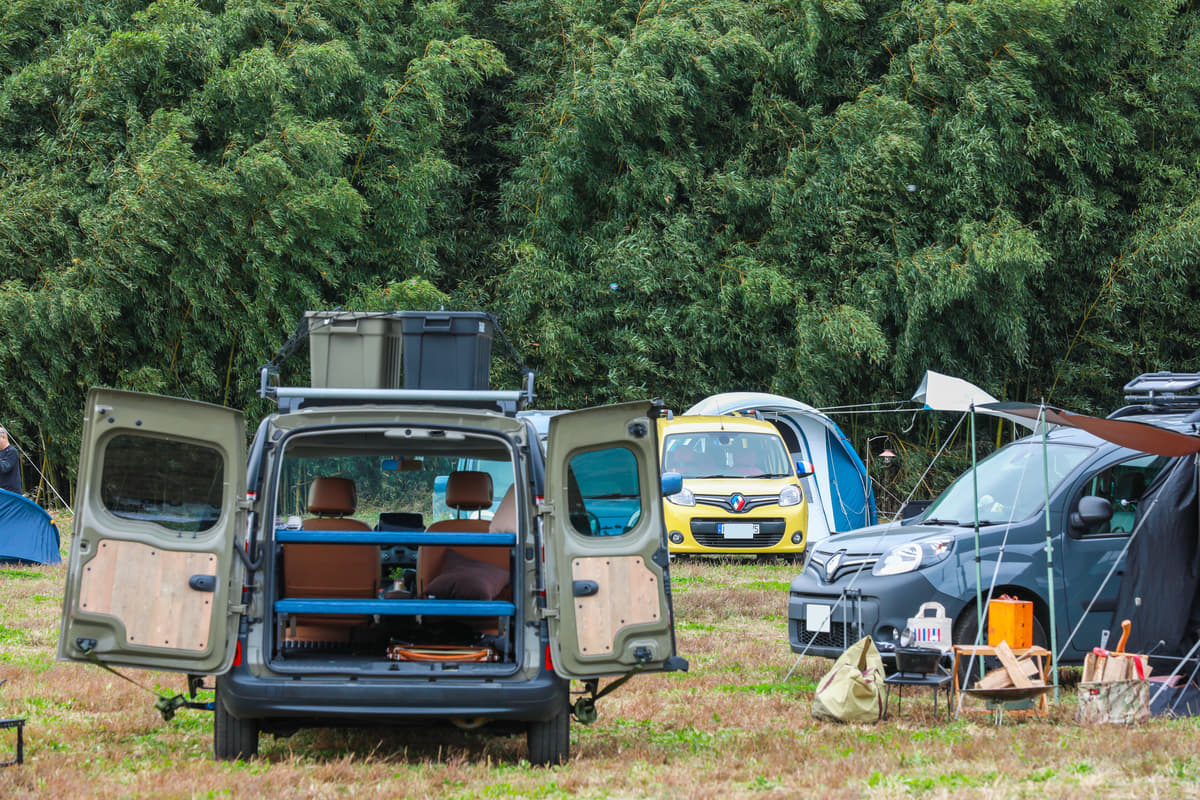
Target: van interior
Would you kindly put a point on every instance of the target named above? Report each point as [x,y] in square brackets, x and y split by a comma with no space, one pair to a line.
[362,570]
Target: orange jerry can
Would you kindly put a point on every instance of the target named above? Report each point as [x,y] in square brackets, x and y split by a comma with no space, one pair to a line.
[1011,621]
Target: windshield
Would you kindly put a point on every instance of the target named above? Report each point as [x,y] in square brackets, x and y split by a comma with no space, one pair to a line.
[1011,484]
[725,454]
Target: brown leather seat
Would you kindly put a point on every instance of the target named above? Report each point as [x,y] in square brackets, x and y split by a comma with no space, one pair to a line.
[338,571]
[466,491]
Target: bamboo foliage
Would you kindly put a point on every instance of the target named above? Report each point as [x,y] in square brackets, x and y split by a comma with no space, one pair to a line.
[658,197]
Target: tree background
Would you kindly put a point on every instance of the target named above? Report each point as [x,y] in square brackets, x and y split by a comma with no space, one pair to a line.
[659,198]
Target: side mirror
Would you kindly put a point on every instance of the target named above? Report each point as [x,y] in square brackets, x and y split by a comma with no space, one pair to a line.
[805,468]
[1091,511]
[672,483]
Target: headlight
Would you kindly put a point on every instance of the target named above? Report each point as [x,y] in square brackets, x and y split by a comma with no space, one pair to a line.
[790,496]
[683,498]
[913,555]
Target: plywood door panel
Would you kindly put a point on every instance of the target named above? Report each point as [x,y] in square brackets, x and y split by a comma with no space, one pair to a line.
[146,588]
[627,595]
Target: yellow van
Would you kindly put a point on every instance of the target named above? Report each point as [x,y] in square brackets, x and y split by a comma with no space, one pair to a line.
[741,490]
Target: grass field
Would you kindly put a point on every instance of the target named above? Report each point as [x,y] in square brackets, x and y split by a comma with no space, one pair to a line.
[732,727]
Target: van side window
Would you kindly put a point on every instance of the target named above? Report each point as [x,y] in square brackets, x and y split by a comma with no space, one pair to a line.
[603,492]
[1122,485]
[176,485]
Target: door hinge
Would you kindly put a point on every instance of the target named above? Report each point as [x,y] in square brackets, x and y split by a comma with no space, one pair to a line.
[547,613]
[545,508]
[237,608]
[245,504]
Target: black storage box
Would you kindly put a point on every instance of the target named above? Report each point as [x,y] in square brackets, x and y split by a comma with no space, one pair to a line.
[446,349]
[917,660]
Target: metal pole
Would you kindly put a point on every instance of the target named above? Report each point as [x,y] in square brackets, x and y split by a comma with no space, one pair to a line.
[1049,548]
[978,568]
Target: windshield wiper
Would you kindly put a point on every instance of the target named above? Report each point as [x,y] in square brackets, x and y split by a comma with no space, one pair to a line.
[939,522]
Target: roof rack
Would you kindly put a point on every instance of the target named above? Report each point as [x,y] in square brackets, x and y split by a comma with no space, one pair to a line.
[291,398]
[1173,390]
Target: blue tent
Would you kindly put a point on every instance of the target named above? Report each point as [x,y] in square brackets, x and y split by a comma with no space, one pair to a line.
[27,534]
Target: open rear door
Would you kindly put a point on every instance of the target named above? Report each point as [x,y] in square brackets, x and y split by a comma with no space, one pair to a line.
[606,548]
[153,580]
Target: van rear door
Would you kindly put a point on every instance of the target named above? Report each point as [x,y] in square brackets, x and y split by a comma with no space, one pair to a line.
[607,593]
[152,579]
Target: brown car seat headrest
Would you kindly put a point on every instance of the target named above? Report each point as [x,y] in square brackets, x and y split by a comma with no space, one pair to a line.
[468,490]
[332,496]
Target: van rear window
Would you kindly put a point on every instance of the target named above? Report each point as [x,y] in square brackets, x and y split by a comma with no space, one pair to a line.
[176,485]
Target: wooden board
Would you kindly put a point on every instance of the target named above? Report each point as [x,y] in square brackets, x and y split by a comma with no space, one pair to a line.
[1019,678]
[146,588]
[627,595]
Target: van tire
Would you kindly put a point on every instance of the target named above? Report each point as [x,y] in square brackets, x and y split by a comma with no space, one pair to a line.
[550,740]
[234,739]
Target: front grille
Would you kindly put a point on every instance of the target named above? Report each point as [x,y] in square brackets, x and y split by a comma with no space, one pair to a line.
[722,501]
[847,564]
[840,635]
[770,533]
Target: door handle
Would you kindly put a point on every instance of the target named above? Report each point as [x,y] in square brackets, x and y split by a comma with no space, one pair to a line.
[585,588]
[203,583]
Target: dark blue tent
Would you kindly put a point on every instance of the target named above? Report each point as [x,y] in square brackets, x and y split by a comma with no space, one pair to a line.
[27,534]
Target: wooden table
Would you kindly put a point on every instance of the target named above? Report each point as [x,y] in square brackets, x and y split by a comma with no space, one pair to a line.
[1038,654]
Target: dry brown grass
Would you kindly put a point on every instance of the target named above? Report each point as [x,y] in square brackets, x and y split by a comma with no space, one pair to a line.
[730,728]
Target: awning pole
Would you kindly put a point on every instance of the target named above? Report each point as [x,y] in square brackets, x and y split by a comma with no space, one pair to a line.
[1049,548]
[978,568]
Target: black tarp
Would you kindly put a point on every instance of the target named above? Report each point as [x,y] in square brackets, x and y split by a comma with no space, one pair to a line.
[1159,592]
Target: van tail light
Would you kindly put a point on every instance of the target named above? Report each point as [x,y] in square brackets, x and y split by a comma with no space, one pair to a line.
[237,654]
[549,660]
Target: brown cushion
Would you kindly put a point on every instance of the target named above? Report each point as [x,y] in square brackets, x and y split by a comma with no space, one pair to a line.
[464,578]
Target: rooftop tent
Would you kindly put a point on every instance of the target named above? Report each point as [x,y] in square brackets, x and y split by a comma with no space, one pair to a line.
[27,534]
[839,492]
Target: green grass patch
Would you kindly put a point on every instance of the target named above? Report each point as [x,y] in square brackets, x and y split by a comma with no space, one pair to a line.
[772,586]
[701,627]
[766,688]
[23,574]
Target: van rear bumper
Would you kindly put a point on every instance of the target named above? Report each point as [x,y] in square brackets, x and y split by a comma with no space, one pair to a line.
[346,700]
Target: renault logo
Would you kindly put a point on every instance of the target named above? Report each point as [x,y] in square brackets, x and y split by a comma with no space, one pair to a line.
[737,501]
[831,565]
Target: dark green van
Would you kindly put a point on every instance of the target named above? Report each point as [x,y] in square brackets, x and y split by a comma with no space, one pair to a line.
[277,567]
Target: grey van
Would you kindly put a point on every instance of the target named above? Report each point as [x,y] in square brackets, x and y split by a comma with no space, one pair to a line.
[871,581]
[264,566]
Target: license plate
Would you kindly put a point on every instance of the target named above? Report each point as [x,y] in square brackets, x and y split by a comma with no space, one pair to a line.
[739,530]
[816,617]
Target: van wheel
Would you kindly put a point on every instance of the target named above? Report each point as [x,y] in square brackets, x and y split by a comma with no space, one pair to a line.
[233,739]
[964,631]
[550,740]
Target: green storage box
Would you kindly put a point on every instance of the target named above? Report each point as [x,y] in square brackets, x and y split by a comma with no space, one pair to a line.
[354,349]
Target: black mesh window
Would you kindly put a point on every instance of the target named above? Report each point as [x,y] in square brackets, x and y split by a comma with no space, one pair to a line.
[176,485]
